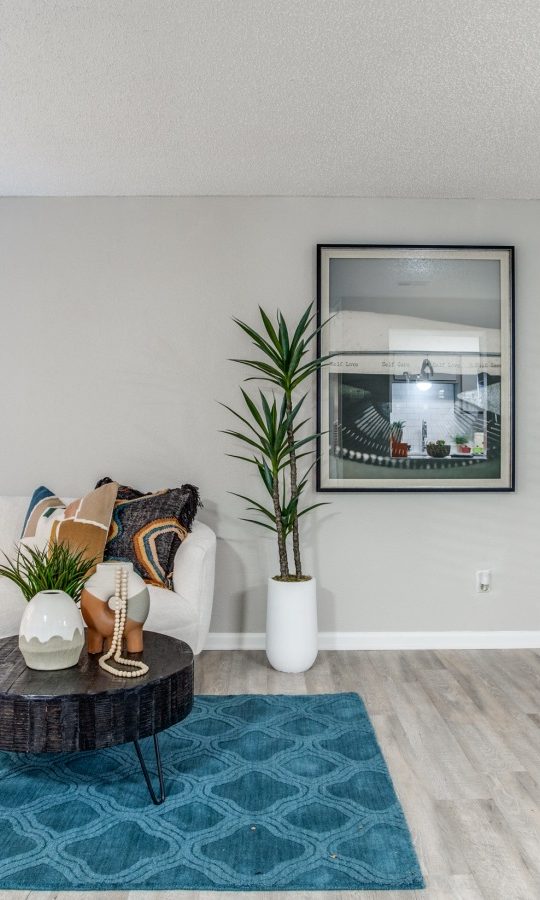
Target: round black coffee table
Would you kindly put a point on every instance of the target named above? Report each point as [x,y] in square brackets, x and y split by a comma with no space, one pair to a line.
[85,708]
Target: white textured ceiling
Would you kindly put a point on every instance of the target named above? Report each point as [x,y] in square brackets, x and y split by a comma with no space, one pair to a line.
[401,98]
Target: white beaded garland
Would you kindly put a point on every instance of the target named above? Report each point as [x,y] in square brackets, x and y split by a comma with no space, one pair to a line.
[120,613]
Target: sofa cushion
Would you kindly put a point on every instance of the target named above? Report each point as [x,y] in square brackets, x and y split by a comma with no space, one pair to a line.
[12,515]
[147,529]
[12,606]
[169,616]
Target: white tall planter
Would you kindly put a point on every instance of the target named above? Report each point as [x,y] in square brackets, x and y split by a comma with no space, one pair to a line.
[291,625]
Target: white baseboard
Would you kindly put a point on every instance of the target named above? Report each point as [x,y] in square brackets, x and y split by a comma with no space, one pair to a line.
[389,640]
[235,640]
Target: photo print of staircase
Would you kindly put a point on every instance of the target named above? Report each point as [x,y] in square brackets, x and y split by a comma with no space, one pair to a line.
[418,391]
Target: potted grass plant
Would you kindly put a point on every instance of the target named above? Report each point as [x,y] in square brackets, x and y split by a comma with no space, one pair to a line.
[273,433]
[51,634]
[462,444]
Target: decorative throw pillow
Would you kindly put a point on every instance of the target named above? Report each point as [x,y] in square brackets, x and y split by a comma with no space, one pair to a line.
[43,505]
[147,529]
[83,524]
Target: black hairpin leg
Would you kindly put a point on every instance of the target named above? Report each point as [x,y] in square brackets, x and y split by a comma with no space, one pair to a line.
[161,798]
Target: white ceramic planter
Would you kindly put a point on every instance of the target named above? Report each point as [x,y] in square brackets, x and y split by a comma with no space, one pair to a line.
[51,634]
[291,625]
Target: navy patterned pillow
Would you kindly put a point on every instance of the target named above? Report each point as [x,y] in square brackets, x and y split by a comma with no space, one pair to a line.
[147,529]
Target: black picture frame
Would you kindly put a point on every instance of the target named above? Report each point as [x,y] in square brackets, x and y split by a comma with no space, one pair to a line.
[350,459]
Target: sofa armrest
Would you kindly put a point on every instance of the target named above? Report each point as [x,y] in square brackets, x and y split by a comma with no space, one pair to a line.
[193,576]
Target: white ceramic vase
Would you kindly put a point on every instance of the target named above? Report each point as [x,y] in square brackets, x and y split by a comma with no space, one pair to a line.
[291,625]
[51,634]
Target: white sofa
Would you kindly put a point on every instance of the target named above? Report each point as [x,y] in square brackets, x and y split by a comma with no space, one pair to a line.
[184,613]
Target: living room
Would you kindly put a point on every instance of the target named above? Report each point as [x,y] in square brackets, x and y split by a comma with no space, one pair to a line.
[346,698]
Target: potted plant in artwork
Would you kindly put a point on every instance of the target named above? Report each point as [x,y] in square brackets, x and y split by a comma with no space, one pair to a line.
[51,634]
[397,447]
[462,444]
[273,433]
[438,449]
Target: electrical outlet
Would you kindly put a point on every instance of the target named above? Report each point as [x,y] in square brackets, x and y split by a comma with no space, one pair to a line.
[483,581]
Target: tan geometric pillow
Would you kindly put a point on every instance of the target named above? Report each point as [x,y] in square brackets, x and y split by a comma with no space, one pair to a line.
[83,525]
[43,505]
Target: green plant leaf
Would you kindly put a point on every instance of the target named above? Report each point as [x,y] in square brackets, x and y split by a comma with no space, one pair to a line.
[295,410]
[252,408]
[266,475]
[303,325]
[273,374]
[270,330]
[255,505]
[313,506]
[257,522]
[258,340]
[319,328]
[294,362]
[243,437]
[306,371]
[306,440]
[241,418]
[283,337]
[253,460]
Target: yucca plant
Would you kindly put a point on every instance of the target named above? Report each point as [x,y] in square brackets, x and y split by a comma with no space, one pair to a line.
[274,432]
[55,568]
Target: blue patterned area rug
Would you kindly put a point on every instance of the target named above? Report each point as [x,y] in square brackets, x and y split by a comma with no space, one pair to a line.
[263,793]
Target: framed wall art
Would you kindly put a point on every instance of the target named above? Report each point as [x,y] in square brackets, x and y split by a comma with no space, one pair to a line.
[418,391]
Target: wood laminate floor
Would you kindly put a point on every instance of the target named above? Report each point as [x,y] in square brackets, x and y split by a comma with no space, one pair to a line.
[460,731]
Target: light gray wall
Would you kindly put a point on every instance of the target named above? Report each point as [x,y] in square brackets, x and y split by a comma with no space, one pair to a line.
[116,331]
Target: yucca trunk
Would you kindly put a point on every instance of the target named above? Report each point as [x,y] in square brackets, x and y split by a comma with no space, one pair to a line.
[294,491]
[282,545]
